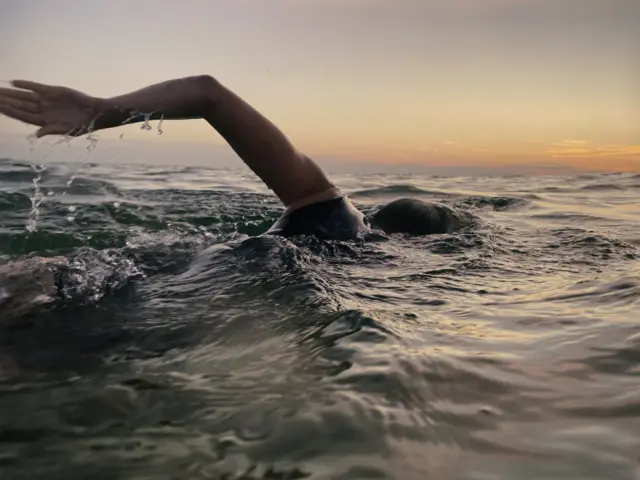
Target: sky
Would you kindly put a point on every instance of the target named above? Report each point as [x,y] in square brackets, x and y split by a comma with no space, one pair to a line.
[531,85]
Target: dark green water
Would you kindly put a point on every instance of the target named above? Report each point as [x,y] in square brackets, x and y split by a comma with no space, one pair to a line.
[192,347]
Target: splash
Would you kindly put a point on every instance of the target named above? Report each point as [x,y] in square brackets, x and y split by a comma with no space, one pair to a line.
[38,196]
[36,199]
[94,273]
[93,142]
[146,124]
[160,131]
[146,121]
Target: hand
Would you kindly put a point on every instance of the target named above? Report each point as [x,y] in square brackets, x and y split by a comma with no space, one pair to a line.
[57,110]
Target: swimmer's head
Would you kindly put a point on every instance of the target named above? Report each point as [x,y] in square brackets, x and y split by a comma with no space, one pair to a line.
[416,217]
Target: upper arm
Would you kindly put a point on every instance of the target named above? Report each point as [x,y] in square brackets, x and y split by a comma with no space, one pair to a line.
[265,149]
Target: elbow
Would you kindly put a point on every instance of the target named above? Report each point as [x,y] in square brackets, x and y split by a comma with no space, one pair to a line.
[207,88]
[205,81]
[205,84]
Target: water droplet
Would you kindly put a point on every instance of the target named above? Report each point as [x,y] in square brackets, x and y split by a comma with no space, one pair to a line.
[116,204]
[160,131]
[71,219]
[145,124]
[72,208]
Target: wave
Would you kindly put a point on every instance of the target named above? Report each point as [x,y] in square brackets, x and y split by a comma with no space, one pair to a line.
[603,187]
[621,292]
[582,244]
[593,187]
[14,201]
[497,203]
[570,217]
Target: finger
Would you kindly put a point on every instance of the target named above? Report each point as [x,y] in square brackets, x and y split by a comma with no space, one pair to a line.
[55,129]
[18,94]
[33,86]
[61,129]
[25,105]
[21,115]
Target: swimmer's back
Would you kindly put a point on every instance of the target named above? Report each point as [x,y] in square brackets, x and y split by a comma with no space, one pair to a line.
[335,219]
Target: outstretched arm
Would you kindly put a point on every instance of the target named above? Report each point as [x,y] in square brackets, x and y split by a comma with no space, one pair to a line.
[293,177]
[260,144]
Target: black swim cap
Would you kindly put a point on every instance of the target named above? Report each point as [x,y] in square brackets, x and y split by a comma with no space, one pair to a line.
[415,217]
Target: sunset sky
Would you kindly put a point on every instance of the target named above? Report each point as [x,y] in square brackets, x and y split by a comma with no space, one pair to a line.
[432,82]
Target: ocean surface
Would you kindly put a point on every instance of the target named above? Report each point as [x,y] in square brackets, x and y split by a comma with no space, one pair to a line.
[192,347]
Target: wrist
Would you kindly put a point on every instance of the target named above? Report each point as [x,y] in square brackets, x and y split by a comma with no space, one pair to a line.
[188,97]
[107,113]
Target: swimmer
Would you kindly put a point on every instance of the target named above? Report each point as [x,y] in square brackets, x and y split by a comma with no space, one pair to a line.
[313,204]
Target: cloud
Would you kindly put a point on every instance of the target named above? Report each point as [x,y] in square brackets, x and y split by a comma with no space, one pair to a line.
[570,142]
[581,148]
